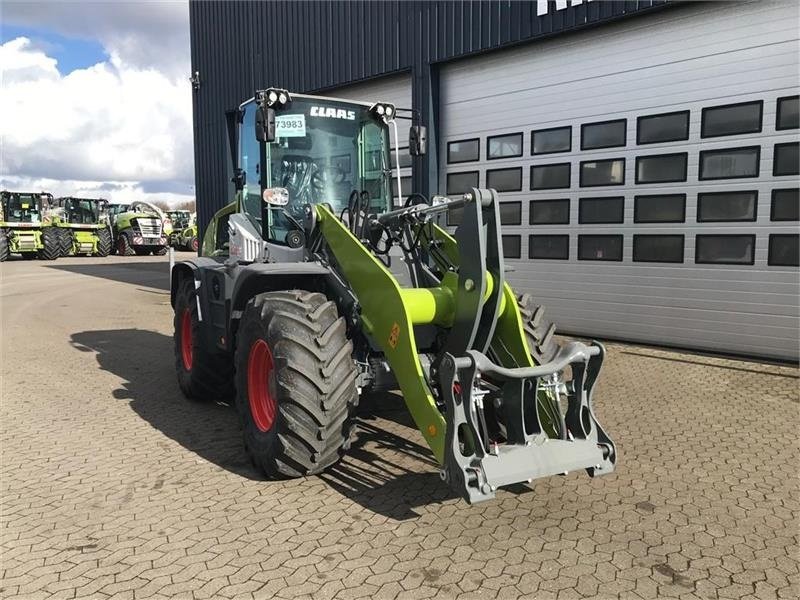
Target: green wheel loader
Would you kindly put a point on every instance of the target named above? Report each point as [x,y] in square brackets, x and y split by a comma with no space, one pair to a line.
[82,226]
[137,229]
[25,227]
[312,290]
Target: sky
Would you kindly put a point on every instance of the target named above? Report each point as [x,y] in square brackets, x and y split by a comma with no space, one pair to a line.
[95,99]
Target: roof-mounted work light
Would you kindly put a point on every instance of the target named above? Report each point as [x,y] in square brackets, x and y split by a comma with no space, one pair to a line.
[384,110]
[274,98]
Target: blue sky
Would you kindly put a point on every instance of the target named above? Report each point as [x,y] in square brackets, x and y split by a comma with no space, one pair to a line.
[71,53]
[123,127]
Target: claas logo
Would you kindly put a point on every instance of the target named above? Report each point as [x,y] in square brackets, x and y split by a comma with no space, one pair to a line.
[333,113]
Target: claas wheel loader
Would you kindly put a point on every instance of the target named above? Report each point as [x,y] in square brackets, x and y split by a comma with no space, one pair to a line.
[25,226]
[82,226]
[312,289]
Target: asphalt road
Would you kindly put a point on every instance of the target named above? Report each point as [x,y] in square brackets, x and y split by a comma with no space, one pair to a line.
[113,485]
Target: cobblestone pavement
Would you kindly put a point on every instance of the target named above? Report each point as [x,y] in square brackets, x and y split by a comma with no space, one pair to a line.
[115,486]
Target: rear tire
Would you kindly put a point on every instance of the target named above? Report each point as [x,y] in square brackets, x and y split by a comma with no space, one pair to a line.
[295,381]
[103,242]
[202,374]
[160,251]
[539,333]
[4,253]
[51,240]
[124,246]
[194,244]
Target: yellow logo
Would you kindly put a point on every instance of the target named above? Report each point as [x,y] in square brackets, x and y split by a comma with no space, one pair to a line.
[394,336]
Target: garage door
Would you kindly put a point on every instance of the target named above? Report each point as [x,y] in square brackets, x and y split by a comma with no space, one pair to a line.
[397,90]
[649,173]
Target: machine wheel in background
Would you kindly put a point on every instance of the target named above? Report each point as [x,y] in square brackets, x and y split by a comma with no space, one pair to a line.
[202,373]
[124,246]
[4,253]
[65,241]
[51,240]
[538,332]
[160,251]
[103,242]
[193,244]
[295,382]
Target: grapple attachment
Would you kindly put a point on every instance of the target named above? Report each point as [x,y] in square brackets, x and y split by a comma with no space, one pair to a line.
[507,425]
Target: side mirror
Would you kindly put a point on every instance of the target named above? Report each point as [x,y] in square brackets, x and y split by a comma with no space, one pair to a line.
[265,124]
[418,140]
[239,179]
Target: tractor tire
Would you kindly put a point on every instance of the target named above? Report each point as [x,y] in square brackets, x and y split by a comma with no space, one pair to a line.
[124,247]
[295,383]
[103,242]
[160,251]
[203,375]
[51,240]
[4,253]
[538,332]
[193,244]
[65,241]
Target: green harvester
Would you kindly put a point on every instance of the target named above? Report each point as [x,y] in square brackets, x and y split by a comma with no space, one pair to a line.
[25,227]
[82,226]
[314,289]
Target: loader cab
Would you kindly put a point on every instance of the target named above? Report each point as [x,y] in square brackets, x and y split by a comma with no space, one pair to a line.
[323,150]
[21,207]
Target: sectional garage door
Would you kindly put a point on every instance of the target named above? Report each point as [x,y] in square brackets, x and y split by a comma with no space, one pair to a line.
[649,173]
[397,90]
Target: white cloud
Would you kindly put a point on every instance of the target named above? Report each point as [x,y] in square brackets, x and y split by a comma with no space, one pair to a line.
[117,121]
[143,34]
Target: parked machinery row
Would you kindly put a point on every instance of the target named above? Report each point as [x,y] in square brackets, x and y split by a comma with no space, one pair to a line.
[36,225]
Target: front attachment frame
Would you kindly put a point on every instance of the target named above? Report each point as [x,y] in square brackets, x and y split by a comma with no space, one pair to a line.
[475,466]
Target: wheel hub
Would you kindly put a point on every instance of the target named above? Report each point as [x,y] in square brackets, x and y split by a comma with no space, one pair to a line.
[186,339]
[263,406]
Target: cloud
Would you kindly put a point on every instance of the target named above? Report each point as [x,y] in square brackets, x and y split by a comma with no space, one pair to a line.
[116,121]
[114,191]
[141,35]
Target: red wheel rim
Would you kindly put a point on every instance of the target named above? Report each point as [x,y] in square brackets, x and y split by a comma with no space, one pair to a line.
[195,244]
[263,406]
[186,339]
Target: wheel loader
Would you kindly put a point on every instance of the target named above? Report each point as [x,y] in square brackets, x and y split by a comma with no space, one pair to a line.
[25,226]
[138,229]
[312,290]
[82,226]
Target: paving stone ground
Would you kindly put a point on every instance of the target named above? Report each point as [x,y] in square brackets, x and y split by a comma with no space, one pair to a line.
[114,486]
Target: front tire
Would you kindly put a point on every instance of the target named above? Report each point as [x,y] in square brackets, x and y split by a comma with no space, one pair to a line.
[103,242]
[202,373]
[4,253]
[65,241]
[539,334]
[124,247]
[295,381]
[51,242]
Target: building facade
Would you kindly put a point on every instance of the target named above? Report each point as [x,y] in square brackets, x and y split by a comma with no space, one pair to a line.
[646,153]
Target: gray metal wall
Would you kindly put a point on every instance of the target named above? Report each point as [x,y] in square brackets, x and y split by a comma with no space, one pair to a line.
[688,58]
[238,47]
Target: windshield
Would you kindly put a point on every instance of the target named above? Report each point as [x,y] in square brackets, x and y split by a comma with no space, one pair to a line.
[21,208]
[323,152]
[82,211]
[179,218]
